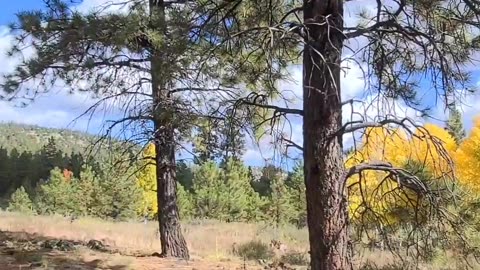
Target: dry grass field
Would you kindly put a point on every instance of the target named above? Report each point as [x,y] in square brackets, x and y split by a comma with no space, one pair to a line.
[130,244]
[26,243]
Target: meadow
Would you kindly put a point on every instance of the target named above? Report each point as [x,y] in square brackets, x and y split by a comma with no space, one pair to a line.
[130,245]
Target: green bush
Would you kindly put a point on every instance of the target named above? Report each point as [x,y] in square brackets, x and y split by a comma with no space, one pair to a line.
[254,250]
[372,266]
[295,258]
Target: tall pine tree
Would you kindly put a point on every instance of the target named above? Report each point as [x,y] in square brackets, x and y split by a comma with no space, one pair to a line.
[161,62]
[397,44]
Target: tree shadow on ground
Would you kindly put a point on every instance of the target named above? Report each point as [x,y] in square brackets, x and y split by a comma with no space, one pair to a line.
[21,250]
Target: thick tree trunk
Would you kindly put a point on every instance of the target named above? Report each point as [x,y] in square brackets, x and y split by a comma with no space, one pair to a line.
[171,239]
[323,161]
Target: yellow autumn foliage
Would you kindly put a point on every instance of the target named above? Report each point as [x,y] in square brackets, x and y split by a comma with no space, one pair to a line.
[467,160]
[146,179]
[434,147]
[373,194]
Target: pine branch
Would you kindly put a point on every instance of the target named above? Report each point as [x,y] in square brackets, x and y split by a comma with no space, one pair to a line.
[292,144]
[403,177]
[353,126]
[277,109]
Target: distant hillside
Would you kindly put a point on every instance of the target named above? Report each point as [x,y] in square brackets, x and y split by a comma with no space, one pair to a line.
[28,154]
[31,138]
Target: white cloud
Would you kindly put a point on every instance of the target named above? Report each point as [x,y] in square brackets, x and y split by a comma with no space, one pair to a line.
[58,109]
[253,156]
[352,82]
[105,6]
[47,113]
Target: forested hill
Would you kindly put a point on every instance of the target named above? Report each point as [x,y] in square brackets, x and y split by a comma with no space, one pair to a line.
[28,154]
[29,138]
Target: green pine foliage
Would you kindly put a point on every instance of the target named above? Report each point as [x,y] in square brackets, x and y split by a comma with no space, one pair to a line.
[120,193]
[107,195]
[280,207]
[20,202]
[107,186]
[185,202]
[455,126]
[242,202]
[87,193]
[296,189]
[206,141]
[185,175]
[225,193]
[55,196]
[208,186]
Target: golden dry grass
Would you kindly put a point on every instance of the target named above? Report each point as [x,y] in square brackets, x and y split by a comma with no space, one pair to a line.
[210,242]
[206,239]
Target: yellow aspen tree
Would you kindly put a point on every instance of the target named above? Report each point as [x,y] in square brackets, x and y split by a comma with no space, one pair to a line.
[432,146]
[371,194]
[467,159]
[146,179]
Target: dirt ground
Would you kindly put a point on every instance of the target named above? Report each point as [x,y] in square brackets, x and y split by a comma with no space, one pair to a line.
[20,250]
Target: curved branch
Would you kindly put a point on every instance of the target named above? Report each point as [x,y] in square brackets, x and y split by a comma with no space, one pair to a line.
[273,107]
[292,144]
[403,177]
[353,126]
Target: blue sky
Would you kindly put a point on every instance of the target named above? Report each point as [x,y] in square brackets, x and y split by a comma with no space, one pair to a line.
[10,8]
[58,109]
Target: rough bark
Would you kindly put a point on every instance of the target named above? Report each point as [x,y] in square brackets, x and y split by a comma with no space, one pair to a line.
[323,162]
[171,239]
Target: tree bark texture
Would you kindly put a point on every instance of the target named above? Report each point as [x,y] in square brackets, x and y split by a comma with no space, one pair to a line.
[323,161]
[171,238]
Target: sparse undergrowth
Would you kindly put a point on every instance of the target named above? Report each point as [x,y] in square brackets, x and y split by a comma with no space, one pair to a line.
[209,240]
[295,258]
[254,250]
[369,265]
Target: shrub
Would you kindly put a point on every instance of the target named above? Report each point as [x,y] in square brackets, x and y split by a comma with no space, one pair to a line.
[295,258]
[372,266]
[254,250]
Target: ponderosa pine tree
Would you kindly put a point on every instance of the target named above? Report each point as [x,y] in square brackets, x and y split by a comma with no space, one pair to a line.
[224,193]
[185,175]
[232,138]
[86,193]
[20,202]
[51,157]
[55,196]
[121,195]
[185,202]
[396,45]
[156,61]
[209,187]
[219,139]
[279,202]
[241,202]
[206,141]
